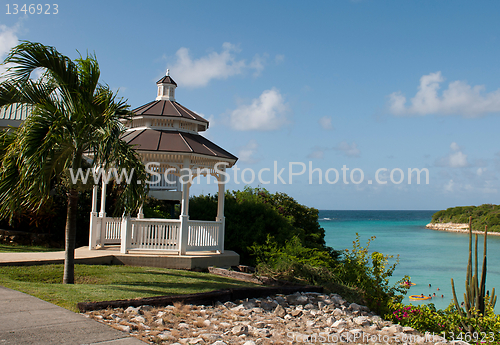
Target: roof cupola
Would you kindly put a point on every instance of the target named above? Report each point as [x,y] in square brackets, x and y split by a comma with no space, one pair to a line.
[166,88]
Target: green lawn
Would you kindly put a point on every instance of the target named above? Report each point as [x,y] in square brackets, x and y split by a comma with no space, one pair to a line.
[104,283]
[9,248]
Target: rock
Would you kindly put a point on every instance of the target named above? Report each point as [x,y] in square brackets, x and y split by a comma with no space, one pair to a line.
[309,306]
[225,324]
[395,329]
[338,312]
[330,321]
[279,311]
[339,324]
[280,300]
[132,310]
[262,332]
[237,308]
[219,342]
[258,321]
[239,330]
[230,304]
[408,329]
[139,319]
[268,305]
[124,328]
[167,335]
[362,321]
[183,325]
[159,322]
[144,308]
[210,337]
[354,307]
[249,304]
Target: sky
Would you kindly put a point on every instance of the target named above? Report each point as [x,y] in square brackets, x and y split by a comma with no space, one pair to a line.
[324,87]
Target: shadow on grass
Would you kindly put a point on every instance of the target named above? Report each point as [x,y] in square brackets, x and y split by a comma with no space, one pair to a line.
[202,276]
[163,288]
[8,248]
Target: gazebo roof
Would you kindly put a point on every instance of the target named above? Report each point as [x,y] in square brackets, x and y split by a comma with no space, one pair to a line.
[174,141]
[169,109]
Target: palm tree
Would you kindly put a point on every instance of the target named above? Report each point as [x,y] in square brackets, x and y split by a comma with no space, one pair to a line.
[74,119]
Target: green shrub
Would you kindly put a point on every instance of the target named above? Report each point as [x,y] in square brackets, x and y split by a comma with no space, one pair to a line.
[448,322]
[254,213]
[371,273]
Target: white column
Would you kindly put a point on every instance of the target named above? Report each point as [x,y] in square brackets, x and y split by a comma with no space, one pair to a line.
[102,214]
[221,180]
[93,231]
[126,232]
[184,217]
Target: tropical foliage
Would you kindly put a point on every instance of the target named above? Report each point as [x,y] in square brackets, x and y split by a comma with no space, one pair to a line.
[285,241]
[72,114]
[254,214]
[484,215]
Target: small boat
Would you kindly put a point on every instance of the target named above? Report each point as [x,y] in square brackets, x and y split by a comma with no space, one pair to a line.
[419,297]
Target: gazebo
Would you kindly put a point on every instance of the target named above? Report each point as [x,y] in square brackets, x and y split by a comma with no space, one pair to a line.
[166,136]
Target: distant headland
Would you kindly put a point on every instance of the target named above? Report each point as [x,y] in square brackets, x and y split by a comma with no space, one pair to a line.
[456,219]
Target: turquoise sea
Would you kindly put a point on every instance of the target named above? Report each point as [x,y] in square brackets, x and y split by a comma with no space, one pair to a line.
[427,256]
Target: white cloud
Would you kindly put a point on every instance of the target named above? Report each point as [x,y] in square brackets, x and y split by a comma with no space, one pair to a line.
[258,63]
[199,72]
[326,123]
[266,113]
[460,98]
[348,150]
[317,154]
[279,58]
[449,186]
[247,152]
[456,159]
[8,40]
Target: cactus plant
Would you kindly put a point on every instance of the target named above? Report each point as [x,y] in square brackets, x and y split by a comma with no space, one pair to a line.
[475,296]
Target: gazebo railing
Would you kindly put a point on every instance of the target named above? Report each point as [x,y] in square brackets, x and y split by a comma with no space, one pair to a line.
[203,235]
[158,234]
[111,231]
[155,234]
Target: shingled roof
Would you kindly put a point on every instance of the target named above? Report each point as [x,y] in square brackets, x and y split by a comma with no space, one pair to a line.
[173,141]
[168,108]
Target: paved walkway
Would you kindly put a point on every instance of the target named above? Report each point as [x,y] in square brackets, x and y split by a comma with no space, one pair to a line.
[40,258]
[25,319]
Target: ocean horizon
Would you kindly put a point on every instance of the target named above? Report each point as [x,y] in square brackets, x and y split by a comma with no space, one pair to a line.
[427,256]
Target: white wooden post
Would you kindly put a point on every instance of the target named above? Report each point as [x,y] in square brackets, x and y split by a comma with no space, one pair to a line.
[102,213]
[93,231]
[221,180]
[126,232]
[184,217]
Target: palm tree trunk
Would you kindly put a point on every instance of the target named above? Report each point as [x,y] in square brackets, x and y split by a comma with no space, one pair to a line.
[69,254]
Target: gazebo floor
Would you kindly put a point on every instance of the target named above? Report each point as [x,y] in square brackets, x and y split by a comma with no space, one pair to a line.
[111,255]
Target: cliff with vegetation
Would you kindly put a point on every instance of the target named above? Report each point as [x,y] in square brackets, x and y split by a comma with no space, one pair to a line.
[456,218]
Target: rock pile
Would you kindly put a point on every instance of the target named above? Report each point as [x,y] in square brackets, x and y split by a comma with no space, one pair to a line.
[297,318]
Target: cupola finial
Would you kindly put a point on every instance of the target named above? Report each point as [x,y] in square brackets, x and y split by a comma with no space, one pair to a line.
[168,73]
